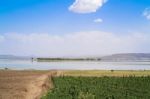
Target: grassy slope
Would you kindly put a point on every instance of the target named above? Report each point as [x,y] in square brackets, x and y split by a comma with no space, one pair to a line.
[100,88]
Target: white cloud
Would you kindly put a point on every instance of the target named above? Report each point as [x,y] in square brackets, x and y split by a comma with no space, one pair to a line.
[77,44]
[99,20]
[1,38]
[146,13]
[86,6]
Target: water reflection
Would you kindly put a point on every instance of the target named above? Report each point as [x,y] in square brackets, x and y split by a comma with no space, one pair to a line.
[73,65]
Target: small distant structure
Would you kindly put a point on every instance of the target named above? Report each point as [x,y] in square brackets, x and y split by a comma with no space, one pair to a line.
[6,68]
[112,70]
[33,59]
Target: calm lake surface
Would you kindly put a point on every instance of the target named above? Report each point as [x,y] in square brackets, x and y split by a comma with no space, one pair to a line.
[72,65]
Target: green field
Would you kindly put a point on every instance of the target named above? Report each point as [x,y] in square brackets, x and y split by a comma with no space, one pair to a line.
[110,73]
[100,88]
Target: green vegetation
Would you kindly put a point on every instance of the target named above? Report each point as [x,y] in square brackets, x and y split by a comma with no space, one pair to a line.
[100,88]
[66,59]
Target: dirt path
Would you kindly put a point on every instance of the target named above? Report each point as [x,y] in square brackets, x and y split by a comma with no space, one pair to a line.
[38,87]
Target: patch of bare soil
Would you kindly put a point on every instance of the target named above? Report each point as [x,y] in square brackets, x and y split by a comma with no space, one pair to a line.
[24,84]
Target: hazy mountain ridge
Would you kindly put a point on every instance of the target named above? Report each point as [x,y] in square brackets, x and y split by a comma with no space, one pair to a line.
[13,57]
[127,57]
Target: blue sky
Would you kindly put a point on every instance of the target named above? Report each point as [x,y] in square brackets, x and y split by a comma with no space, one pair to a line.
[56,19]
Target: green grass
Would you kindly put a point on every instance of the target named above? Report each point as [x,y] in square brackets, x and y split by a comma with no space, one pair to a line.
[100,88]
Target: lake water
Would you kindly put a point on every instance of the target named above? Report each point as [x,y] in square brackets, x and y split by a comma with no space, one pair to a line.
[73,65]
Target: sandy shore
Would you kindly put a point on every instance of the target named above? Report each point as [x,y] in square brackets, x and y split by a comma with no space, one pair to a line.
[24,84]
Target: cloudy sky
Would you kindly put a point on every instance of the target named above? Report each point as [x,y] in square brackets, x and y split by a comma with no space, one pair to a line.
[74,27]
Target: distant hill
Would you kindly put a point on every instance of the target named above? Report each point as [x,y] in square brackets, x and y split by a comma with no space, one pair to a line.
[127,57]
[13,57]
